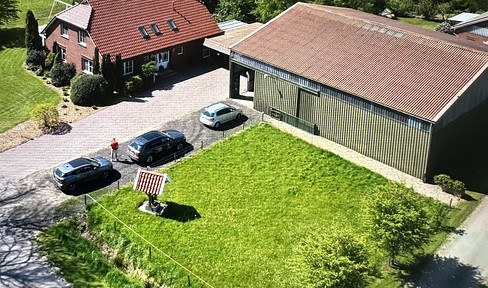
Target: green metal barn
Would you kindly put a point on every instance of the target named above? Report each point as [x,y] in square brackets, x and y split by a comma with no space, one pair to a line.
[400,94]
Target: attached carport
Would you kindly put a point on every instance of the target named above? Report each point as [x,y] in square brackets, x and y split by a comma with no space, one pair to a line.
[234,31]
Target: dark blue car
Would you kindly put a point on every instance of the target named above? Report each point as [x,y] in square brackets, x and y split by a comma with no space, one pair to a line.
[69,175]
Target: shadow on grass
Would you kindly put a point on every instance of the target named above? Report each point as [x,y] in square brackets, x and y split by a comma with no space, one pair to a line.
[180,213]
[446,272]
[12,38]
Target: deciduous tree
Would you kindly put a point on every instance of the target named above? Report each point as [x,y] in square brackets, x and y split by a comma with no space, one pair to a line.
[336,259]
[398,219]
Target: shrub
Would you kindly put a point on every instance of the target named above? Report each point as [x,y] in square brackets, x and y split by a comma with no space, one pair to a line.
[454,187]
[88,89]
[33,67]
[48,63]
[133,85]
[149,69]
[47,73]
[444,27]
[62,73]
[65,93]
[36,57]
[45,115]
[39,71]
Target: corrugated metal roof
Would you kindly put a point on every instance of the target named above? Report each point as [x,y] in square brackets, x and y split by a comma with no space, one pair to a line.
[400,66]
[231,24]
[463,17]
[114,25]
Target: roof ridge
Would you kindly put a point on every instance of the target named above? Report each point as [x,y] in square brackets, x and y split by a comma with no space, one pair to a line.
[319,7]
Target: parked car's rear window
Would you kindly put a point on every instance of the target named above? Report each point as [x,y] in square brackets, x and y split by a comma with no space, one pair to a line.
[206,113]
[135,146]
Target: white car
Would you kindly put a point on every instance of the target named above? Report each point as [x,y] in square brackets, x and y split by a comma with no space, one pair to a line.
[219,113]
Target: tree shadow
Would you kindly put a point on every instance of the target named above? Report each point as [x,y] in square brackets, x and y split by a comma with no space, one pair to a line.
[179,212]
[12,37]
[448,272]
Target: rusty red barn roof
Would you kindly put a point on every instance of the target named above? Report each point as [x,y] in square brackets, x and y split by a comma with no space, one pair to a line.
[404,67]
[114,24]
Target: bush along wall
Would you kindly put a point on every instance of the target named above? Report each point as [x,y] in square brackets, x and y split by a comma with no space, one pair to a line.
[454,187]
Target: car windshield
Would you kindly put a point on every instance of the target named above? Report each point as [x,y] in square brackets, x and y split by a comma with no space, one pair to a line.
[135,146]
[206,113]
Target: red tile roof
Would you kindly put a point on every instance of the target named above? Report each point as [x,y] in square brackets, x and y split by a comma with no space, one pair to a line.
[114,24]
[406,68]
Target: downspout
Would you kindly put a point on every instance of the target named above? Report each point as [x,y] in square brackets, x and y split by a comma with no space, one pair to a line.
[429,143]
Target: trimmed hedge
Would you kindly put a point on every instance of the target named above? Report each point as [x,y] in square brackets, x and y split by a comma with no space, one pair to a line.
[454,187]
[88,90]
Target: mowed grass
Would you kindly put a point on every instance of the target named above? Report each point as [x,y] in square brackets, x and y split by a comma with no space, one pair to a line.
[40,8]
[419,22]
[20,92]
[255,196]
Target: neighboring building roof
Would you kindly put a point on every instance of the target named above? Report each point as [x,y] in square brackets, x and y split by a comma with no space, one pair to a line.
[222,43]
[404,67]
[231,24]
[462,17]
[475,20]
[78,15]
[114,25]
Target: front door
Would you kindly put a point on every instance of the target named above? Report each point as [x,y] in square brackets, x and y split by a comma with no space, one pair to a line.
[162,59]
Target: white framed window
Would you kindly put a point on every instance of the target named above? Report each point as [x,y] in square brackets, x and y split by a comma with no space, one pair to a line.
[129,67]
[86,65]
[62,52]
[206,52]
[82,38]
[179,50]
[165,56]
[64,30]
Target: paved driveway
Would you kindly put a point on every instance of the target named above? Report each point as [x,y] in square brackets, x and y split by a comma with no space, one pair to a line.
[123,121]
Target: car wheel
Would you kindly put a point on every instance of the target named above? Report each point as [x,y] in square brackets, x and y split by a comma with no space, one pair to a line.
[105,174]
[179,146]
[217,125]
[149,159]
[238,116]
[72,187]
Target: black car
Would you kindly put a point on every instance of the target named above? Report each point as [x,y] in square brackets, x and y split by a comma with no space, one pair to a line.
[69,175]
[155,143]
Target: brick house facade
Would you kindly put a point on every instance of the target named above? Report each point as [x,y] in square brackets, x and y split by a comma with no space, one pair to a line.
[170,33]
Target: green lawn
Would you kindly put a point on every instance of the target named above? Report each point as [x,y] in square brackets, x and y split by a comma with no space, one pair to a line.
[20,91]
[419,22]
[40,8]
[80,261]
[241,208]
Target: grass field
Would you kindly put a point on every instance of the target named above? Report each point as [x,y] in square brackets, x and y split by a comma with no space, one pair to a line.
[81,261]
[419,22]
[238,210]
[20,91]
[40,8]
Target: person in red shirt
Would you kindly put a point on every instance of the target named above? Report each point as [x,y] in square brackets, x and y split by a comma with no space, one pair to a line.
[115,147]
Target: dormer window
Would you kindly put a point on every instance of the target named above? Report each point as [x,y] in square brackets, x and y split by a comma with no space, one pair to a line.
[172,25]
[64,30]
[143,32]
[82,38]
[155,29]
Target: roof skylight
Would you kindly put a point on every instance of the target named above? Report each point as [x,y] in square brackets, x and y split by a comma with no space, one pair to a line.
[143,32]
[155,29]
[172,25]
